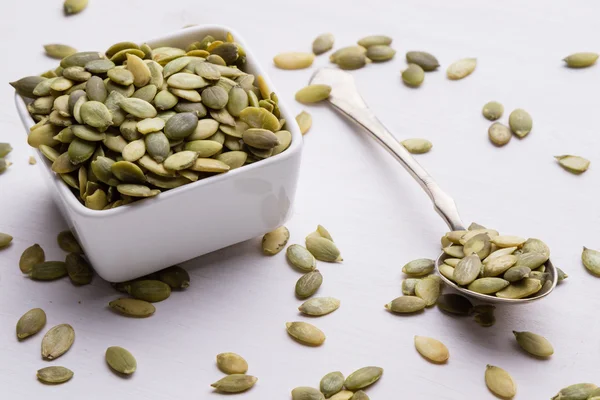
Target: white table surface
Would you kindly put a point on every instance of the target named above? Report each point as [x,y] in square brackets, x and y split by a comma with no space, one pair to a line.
[239,300]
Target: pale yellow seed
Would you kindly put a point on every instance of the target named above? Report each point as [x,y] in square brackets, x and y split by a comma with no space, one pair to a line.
[432,349]
[293,60]
[500,382]
[461,68]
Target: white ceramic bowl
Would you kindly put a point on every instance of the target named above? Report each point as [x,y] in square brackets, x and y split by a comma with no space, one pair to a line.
[186,222]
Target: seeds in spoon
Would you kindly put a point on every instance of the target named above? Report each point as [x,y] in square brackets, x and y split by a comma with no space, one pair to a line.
[492,110]
[519,290]
[413,75]
[461,68]
[479,245]
[581,60]
[508,241]
[417,146]
[534,344]
[574,164]
[408,286]
[500,382]
[467,270]
[432,349]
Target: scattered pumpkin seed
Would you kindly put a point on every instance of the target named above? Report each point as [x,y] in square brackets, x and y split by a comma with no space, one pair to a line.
[461,69]
[149,290]
[323,43]
[432,349]
[54,375]
[413,75]
[132,307]
[323,249]
[293,60]
[574,164]
[67,242]
[500,382]
[520,122]
[581,60]
[74,6]
[591,260]
[273,242]
[331,383]
[380,53]
[499,134]
[406,304]
[305,333]
[59,51]
[306,393]
[423,59]
[31,256]
[121,360]
[429,290]
[363,377]
[175,276]
[374,40]
[308,284]
[534,344]
[304,121]
[300,258]
[417,146]
[319,306]
[342,395]
[231,363]
[493,110]
[57,341]
[313,93]
[48,271]
[31,323]
[579,391]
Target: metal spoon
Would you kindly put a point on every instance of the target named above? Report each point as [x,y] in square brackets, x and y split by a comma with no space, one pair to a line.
[346,99]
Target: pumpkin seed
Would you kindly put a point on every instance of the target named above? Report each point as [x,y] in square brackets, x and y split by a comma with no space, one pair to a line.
[149,290]
[57,341]
[139,69]
[561,275]
[447,271]
[323,249]
[100,66]
[95,114]
[363,378]
[343,395]
[25,86]
[74,6]
[534,344]
[520,122]
[319,306]
[305,333]
[238,100]
[31,256]
[293,60]
[413,75]
[5,148]
[461,69]
[181,126]
[591,260]
[455,304]
[515,274]
[453,262]
[120,360]
[323,43]
[492,110]
[408,286]
[48,271]
[209,165]
[308,284]
[531,260]
[429,290]
[432,349]
[417,146]
[423,59]
[77,74]
[146,93]
[273,242]
[380,53]
[134,150]
[454,251]
[374,40]
[533,245]
[181,160]
[574,164]
[205,129]
[498,265]
[467,270]
[499,134]
[132,307]
[31,323]
[54,375]
[127,172]
[304,121]
[186,81]
[500,382]
[260,138]
[306,393]
[406,304]
[313,93]
[79,270]
[121,76]
[231,363]
[300,258]
[488,285]
[508,241]
[579,391]
[479,245]
[138,108]
[97,200]
[331,383]
[257,117]
[581,60]
[518,290]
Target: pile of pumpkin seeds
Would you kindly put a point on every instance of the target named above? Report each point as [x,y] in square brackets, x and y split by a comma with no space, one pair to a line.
[334,386]
[236,380]
[134,121]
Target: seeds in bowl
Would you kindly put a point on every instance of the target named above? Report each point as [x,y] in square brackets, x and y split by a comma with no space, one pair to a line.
[134,121]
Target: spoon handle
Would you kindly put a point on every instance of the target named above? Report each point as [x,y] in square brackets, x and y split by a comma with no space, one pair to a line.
[345,97]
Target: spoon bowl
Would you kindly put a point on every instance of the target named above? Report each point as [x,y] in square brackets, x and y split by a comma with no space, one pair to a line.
[345,98]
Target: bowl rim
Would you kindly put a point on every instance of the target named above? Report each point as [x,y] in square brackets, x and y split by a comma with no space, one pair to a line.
[295,146]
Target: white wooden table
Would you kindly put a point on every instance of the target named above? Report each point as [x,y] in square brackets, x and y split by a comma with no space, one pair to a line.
[240,300]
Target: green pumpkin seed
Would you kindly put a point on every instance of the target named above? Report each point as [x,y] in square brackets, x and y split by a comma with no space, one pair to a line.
[285,139]
[31,256]
[208,71]
[209,165]
[48,271]
[515,274]
[5,148]
[351,59]
[57,341]
[146,93]
[323,249]
[304,121]
[134,150]
[149,290]
[454,251]
[455,304]
[413,75]
[157,146]
[467,270]
[498,265]
[408,286]
[319,306]
[120,360]
[561,275]
[87,134]
[125,91]
[25,86]
[77,74]
[54,375]
[49,152]
[137,190]
[96,114]
[300,257]
[423,59]
[343,395]
[331,383]
[374,40]
[204,148]
[574,164]
[363,378]
[417,146]
[132,307]
[129,129]
[591,260]
[67,242]
[521,289]
[79,270]
[165,100]
[233,159]
[531,260]
[121,76]
[238,101]
[534,344]
[305,333]
[139,69]
[360,395]
[446,270]
[229,52]
[429,290]
[260,138]
[500,382]
[479,245]
[44,135]
[499,134]
[97,200]
[42,105]
[579,391]
[100,66]
[323,43]
[432,349]
[533,245]
[189,95]
[182,160]
[204,129]
[74,7]
[380,53]
[488,285]
[461,68]
[581,60]
[308,284]
[231,363]
[508,241]
[63,165]
[492,110]
[215,97]
[313,93]
[293,60]
[419,267]
[127,172]
[138,108]
[31,323]
[186,81]
[406,304]
[520,122]
[181,126]
[235,383]
[95,91]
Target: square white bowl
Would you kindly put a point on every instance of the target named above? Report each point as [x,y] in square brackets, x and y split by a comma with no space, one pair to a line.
[194,219]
